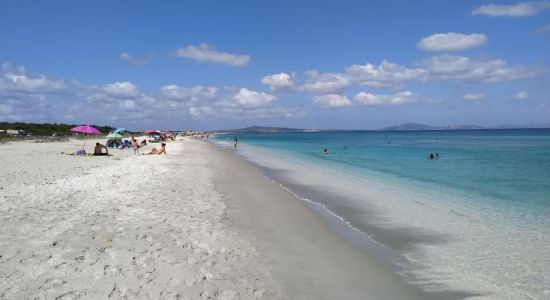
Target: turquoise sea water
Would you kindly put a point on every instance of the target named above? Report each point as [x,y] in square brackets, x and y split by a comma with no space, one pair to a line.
[485,202]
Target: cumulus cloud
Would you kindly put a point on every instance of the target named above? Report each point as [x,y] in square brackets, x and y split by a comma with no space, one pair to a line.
[405,97]
[473,97]
[451,41]
[521,95]
[23,95]
[205,103]
[193,94]
[205,53]
[325,83]
[121,89]
[250,98]
[39,98]
[449,67]
[521,9]
[18,81]
[281,82]
[386,75]
[135,60]
[331,100]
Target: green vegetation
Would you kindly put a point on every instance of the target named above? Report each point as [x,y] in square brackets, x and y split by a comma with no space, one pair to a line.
[46,128]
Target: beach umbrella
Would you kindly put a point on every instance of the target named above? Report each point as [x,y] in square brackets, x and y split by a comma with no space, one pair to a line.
[114,135]
[120,130]
[168,133]
[85,129]
[149,131]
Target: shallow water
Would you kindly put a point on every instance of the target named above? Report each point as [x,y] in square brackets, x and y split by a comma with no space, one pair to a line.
[477,218]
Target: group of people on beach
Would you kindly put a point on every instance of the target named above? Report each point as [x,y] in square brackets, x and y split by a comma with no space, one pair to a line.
[98,150]
[136,146]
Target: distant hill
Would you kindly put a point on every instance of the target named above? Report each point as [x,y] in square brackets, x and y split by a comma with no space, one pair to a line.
[415,126]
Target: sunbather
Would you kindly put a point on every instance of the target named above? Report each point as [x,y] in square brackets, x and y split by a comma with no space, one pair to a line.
[158,152]
[98,150]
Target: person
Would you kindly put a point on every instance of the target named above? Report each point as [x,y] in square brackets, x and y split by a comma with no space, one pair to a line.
[143,143]
[135,146]
[98,150]
[431,156]
[236,140]
[325,151]
[158,152]
[437,155]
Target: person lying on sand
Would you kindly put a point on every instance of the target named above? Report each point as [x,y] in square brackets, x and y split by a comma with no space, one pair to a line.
[98,150]
[158,152]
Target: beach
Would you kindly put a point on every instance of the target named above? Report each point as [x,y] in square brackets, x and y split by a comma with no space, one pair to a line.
[198,223]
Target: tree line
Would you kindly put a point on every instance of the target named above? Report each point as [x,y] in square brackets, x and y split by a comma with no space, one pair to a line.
[46,128]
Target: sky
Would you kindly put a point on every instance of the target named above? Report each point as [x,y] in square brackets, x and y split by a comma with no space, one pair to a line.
[206,65]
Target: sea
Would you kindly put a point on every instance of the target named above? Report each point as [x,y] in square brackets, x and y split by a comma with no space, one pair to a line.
[474,219]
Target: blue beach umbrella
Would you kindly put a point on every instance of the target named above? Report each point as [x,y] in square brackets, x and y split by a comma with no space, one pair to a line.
[120,130]
[114,135]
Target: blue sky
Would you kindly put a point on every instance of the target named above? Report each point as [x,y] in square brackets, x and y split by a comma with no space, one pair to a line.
[314,64]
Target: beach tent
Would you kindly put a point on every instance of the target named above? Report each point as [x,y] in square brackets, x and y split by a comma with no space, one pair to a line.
[114,139]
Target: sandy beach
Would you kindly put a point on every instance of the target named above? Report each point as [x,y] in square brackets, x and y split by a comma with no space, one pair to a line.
[198,223]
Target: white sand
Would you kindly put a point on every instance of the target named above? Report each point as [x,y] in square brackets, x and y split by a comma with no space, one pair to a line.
[119,227]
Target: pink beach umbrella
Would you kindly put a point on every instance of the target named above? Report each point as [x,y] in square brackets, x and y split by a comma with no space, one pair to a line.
[149,131]
[86,129]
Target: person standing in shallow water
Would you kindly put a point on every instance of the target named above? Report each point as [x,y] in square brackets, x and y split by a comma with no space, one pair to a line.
[236,140]
[325,151]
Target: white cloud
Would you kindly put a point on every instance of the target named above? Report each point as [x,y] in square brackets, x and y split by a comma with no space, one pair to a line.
[196,93]
[521,9]
[325,83]
[451,41]
[282,82]
[20,82]
[473,97]
[121,89]
[450,67]
[521,95]
[405,97]
[205,53]
[386,75]
[331,100]
[250,98]
[202,112]
[135,60]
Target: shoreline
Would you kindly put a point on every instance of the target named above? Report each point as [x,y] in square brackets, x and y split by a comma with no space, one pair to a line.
[300,244]
[402,217]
